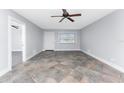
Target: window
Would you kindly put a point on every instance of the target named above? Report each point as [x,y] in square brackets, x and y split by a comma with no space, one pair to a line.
[66,37]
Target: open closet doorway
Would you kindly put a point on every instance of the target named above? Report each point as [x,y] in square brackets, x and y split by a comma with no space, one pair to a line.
[16,41]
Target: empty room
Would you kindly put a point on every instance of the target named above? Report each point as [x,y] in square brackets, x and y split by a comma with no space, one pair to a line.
[62,46]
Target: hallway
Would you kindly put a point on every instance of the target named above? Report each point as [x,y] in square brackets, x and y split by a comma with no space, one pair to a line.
[16,58]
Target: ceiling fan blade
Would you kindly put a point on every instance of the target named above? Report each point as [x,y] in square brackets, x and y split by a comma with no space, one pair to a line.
[74,15]
[70,19]
[61,20]
[56,16]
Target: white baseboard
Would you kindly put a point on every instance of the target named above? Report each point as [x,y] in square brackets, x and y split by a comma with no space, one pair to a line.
[17,50]
[64,49]
[4,71]
[48,49]
[105,61]
[32,55]
[67,50]
[43,50]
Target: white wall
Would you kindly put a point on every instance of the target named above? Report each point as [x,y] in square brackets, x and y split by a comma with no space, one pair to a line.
[4,43]
[34,39]
[49,40]
[64,47]
[104,39]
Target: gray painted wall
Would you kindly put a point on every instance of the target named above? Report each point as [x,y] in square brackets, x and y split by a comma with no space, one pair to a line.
[62,47]
[104,39]
[34,38]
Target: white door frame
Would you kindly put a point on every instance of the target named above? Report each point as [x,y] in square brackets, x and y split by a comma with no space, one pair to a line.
[10,18]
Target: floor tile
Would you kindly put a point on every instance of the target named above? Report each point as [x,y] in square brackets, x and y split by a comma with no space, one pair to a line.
[62,67]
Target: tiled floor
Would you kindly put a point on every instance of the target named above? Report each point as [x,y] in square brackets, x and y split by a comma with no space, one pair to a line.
[16,57]
[63,67]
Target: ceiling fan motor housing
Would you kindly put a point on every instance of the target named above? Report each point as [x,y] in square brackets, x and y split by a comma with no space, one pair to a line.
[66,14]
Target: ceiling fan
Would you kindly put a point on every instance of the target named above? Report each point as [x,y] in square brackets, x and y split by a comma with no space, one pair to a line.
[66,15]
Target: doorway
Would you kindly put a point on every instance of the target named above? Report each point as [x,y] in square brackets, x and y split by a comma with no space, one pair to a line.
[16,41]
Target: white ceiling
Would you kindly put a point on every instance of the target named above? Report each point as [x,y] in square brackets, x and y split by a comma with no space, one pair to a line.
[41,17]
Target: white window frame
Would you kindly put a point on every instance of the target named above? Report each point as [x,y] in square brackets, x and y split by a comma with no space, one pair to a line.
[61,37]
